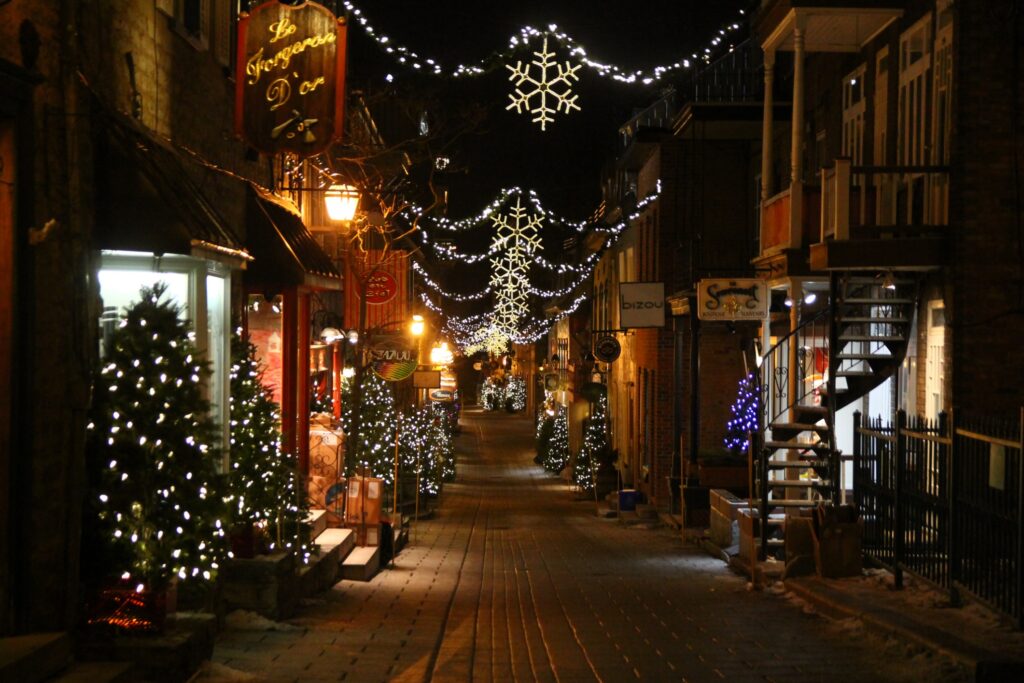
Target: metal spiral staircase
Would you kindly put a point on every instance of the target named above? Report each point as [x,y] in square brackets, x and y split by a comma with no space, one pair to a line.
[840,354]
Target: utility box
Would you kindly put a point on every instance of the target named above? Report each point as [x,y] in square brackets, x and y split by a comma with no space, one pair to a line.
[628,498]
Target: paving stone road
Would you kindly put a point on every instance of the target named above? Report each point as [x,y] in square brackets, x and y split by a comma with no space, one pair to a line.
[515,580]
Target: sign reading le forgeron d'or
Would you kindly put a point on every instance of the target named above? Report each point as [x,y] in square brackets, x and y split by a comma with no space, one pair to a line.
[290,81]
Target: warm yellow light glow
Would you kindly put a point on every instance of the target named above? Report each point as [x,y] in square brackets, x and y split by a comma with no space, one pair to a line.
[417,326]
[341,202]
[349,371]
[441,354]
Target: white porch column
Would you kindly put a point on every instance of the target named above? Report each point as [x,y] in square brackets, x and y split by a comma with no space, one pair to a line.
[796,212]
[766,127]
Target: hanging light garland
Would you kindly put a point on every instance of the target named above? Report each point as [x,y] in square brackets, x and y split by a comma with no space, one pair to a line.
[410,59]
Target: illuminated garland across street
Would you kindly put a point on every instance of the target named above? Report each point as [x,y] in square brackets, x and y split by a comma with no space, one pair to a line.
[412,60]
[514,250]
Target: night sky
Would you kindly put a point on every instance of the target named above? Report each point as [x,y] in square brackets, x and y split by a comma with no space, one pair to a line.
[563,164]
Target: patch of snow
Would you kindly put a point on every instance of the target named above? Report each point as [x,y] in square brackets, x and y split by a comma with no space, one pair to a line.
[244,620]
[212,672]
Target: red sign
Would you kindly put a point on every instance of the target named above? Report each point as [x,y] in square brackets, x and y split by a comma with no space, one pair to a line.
[290,79]
[381,288]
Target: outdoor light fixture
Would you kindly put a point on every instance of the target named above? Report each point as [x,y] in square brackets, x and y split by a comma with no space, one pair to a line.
[788,302]
[348,371]
[331,335]
[441,354]
[810,298]
[417,326]
[341,202]
[353,336]
[275,306]
[889,282]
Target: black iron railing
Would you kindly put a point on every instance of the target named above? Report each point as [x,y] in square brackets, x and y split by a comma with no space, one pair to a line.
[943,499]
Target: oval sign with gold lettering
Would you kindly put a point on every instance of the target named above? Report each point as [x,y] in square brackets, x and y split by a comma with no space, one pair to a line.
[290,78]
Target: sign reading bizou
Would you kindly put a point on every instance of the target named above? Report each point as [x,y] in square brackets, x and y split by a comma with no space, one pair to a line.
[290,78]
[641,304]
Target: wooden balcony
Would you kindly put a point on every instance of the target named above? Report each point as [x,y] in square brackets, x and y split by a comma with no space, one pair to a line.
[785,236]
[882,217]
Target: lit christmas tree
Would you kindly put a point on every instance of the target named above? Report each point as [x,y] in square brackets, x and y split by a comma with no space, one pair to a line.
[266,485]
[744,415]
[557,454]
[595,446]
[321,400]
[416,449]
[152,453]
[545,428]
[515,394]
[443,443]
[374,455]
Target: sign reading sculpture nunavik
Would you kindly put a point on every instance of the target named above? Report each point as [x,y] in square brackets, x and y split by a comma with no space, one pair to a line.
[290,79]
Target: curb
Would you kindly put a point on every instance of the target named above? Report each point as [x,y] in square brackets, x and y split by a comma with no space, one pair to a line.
[984,664]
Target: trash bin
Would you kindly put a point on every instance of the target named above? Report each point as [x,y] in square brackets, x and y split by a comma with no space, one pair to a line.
[628,499]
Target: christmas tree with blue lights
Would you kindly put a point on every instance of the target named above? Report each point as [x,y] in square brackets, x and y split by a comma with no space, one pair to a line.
[744,416]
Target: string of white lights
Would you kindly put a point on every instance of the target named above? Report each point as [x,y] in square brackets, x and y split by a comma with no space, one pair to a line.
[426,279]
[408,58]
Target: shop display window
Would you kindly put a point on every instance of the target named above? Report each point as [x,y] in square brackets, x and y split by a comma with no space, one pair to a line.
[201,289]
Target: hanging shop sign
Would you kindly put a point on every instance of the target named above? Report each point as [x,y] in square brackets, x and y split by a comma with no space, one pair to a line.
[393,359]
[427,379]
[552,382]
[381,287]
[290,78]
[732,299]
[442,395]
[641,304]
[607,348]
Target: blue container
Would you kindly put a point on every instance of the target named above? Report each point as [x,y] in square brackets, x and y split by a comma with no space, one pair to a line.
[628,498]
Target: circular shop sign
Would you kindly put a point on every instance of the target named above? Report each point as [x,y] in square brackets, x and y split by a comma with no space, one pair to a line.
[393,361]
[607,348]
[442,395]
[381,288]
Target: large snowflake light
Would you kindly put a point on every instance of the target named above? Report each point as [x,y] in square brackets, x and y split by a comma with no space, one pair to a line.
[516,231]
[545,89]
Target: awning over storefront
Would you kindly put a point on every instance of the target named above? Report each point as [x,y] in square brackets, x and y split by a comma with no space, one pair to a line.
[286,252]
[146,201]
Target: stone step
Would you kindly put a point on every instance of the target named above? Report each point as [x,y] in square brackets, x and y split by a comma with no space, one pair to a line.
[362,564]
[317,520]
[344,540]
[34,657]
[646,511]
[97,672]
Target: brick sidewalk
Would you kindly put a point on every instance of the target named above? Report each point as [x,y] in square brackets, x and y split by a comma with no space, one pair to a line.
[515,580]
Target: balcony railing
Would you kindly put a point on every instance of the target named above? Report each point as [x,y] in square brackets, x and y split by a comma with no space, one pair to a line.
[879,202]
[777,224]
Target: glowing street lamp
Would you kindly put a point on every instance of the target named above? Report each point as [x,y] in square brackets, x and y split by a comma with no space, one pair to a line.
[341,202]
[441,354]
[417,326]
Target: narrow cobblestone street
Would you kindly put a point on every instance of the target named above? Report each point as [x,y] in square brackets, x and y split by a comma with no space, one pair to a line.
[514,580]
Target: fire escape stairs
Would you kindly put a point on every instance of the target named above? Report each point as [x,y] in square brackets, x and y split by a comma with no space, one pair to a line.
[865,332]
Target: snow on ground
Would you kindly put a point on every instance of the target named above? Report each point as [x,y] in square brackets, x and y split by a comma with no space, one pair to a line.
[212,672]
[244,620]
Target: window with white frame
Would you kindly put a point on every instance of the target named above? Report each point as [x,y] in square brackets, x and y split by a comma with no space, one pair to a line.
[202,291]
[853,115]
[915,60]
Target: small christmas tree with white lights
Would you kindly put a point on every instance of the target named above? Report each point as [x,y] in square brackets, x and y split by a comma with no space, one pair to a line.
[373,455]
[744,415]
[595,446]
[557,452]
[443,443]
[266,485]
[153,454]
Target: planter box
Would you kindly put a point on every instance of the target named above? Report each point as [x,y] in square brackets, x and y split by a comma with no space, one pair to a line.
[266,584]
[734,478]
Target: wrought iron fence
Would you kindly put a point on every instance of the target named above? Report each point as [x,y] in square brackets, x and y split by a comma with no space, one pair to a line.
[943,500]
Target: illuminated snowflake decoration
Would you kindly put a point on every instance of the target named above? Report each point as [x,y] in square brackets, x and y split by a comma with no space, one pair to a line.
[517,231]
[546,89]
